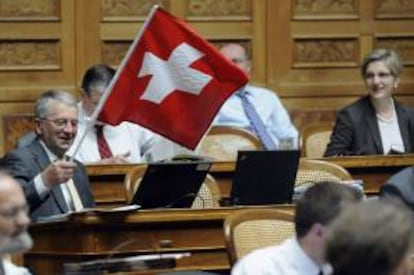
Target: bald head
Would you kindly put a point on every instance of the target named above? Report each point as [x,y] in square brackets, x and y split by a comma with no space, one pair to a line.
[237,54]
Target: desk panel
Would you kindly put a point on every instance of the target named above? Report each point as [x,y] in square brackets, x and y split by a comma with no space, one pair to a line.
[89,236]
[373,170]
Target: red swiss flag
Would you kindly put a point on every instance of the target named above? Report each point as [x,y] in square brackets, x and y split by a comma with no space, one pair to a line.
[171,81]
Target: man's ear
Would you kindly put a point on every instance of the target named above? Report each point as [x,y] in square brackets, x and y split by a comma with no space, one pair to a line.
[83,93]
[249,67]
[318,230]
[38,126]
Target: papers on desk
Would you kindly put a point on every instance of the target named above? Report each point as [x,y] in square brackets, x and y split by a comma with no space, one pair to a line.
[143,262]
[121,209]
[356,184]
[86,211]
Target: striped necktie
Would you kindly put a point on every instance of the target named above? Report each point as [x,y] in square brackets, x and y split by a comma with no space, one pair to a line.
[256,122]
[76,200]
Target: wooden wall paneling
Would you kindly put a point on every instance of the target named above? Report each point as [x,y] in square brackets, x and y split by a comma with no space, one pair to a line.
[319,52]
[387,9]
[88,42]
[240,21]
[308,52]
[36,52]
[315,48]
[119,24]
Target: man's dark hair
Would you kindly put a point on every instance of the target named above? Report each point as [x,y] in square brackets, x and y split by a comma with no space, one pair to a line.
[371,237]
[321,203]
[97,76]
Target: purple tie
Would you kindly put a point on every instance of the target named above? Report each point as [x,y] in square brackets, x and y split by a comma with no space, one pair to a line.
[256,122]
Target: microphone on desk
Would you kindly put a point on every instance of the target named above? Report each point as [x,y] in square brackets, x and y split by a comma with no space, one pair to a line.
[142,262]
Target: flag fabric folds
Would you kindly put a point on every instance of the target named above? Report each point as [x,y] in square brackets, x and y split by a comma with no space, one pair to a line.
[171,81]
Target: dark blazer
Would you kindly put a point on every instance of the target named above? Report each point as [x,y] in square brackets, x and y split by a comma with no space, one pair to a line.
[356,131]
[401,186]
[27,162]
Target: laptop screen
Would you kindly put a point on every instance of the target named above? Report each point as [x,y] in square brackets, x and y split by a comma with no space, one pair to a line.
[264,177]
[171,184]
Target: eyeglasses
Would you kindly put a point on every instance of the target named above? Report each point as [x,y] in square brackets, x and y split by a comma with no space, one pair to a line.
[238,60]
[370,76]
[62,122]
[14,211]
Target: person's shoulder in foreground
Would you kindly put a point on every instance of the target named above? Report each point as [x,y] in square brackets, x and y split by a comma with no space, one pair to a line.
[14,222]
[284,259]
[303,253]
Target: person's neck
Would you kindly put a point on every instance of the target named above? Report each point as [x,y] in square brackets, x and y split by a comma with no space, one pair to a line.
[383,106]
[313,249]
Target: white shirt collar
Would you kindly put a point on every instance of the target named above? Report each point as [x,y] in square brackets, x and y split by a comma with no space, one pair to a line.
[304,262]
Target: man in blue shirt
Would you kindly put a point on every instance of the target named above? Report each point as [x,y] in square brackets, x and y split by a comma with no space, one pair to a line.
[273,115]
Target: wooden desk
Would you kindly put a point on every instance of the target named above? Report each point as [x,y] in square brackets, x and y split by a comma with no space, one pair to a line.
[107,183]
[89,236]
[108,188]
[373,170]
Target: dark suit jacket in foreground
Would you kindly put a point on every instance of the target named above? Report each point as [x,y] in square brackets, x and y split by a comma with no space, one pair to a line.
[27,162]
[401,185]
[356,131]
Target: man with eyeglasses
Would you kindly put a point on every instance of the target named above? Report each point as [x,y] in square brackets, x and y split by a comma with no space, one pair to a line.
[256,109]
[51,183]
[14,221]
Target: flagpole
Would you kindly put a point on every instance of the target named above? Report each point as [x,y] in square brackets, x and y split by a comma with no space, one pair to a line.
[92,120]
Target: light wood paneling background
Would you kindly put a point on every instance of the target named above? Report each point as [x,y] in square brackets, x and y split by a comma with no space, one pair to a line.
[308,51]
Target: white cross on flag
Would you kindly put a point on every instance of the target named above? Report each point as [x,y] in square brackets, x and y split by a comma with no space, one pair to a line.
[171,81]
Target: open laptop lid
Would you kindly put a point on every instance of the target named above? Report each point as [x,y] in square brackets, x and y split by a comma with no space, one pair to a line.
[264,177]
[171,184]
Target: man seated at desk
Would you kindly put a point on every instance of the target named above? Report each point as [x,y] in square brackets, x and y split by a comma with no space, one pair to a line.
[123,143]
[52,184]
[376,123]
[256,109]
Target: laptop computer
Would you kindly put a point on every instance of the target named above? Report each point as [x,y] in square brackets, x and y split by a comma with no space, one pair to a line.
[264,177]
[171,184]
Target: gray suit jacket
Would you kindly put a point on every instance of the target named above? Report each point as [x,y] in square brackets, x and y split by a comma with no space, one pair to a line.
[356,131]
[25,163]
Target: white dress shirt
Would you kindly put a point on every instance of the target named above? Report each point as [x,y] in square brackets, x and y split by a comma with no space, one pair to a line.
[390,133]
[285,259]
[11,269]
[268,106]
[40,186]
[123,138]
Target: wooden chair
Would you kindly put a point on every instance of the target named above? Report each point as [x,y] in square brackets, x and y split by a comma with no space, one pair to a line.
[222,143]
[14,127]
[314,138]
[250,229]
[208,197]
[319,170]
